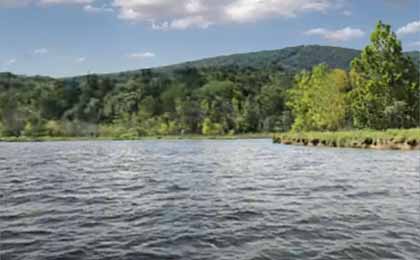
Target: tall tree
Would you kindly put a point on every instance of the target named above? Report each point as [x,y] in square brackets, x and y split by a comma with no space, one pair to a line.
[318,101]
[385,84]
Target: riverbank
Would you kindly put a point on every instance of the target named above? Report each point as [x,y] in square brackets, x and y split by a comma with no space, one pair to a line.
[393,139]
[163,137]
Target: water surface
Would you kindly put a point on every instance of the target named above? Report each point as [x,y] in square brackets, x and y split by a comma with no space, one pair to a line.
[245,199]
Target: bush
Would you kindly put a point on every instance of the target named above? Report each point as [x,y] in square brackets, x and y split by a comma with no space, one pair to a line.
[210,128]
[2,129]
[54,128]
[78,129]
[34,128]
[112,131]
[131,134]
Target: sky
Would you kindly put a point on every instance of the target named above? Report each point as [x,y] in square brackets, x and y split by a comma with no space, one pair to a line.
[63,38]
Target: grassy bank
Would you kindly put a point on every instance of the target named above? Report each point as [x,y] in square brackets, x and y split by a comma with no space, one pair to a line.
[163,137]
[399,139]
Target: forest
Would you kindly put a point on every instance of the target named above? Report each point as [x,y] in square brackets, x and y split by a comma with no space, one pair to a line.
[377,88]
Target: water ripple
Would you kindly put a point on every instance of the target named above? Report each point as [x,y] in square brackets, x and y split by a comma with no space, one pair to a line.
[245,199]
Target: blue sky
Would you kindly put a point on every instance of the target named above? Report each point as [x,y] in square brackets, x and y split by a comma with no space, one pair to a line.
[72,37]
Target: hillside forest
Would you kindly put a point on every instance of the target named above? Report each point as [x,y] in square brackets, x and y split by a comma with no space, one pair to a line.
[377,88]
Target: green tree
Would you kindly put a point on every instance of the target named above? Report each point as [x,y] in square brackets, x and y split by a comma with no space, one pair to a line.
[172,93]
[251,116]
[12,114]
[384,80]
[210,128]
[318,101]
[189,115]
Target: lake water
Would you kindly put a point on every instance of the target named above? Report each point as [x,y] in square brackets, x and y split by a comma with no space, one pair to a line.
[244,199]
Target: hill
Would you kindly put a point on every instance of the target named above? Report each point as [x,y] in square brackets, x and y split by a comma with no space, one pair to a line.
[240,93]
[289,59]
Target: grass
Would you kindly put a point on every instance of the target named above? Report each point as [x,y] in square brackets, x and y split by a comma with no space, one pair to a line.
[392,138]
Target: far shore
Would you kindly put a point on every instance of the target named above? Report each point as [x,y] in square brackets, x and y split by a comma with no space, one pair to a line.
[392,139]
[155,137]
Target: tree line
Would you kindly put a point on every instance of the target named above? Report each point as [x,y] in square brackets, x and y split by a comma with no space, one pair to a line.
[380,91]
[209,101]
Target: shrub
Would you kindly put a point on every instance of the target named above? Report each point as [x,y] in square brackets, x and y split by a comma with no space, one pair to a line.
[210,128]
[54,128]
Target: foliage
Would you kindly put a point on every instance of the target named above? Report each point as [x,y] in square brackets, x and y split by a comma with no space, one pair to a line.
[210,128]
[237,94]
[318,101]
[385,82]
[291,58]
[391,138]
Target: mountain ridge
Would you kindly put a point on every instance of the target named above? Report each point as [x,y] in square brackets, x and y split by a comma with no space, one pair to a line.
[276,55]
[295,58]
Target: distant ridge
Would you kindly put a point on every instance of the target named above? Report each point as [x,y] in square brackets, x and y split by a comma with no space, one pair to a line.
[290,59]
[296,58]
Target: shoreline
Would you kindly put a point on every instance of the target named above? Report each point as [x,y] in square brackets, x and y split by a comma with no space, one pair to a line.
[394,139]
[25,139]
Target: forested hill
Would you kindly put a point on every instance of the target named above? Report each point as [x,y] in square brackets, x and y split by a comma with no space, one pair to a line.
[241,93]
[415,56]
[296,58]
[291,58]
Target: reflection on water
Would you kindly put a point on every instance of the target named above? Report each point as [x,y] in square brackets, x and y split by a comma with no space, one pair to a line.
[246,199]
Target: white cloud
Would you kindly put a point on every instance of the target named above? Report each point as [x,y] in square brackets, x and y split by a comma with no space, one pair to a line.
[141,55]
[340,35]
[411,28]
[252,10]
[9,62]
[18,3]
[184,23]
[347,13]
[14,3]
[96,9]
[190,21]
[183,14]
[80,60]
[41,51]
[65,1]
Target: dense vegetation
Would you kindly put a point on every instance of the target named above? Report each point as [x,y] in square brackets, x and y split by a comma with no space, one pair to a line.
[380,91]
[396,139]
[292,59]
[188,101]
[244,93]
